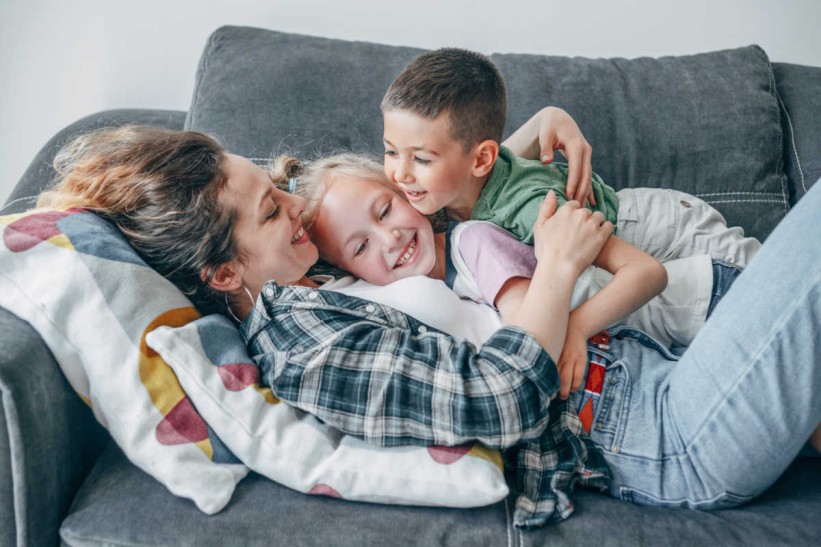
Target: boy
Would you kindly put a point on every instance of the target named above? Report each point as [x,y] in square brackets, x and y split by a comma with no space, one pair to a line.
[443,121]
[444,116]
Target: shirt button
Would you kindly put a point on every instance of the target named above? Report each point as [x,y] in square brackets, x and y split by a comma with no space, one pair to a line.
[616,449]
[599,426]
[422,329]
[269,291]
[370,308]
[313,295]
[613,380]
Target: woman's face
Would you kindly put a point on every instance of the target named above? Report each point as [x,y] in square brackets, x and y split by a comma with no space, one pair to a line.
[268,231]
[372,232]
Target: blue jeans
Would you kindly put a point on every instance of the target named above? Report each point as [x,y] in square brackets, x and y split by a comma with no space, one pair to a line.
[718,426]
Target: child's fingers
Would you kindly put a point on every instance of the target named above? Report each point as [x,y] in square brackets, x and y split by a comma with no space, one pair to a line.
[548,207]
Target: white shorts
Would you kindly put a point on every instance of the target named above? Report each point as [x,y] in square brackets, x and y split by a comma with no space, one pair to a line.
[673,317]
[669,224]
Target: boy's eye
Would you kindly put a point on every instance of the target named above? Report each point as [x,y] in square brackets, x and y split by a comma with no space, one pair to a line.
[385,211]
[421,161]
[274,214]
[360,248]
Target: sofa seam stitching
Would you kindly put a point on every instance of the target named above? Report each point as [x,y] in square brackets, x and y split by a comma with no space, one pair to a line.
[507,525]
[780,170]
[792,142]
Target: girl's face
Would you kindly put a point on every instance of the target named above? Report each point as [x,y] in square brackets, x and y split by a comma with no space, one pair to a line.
[372,232]
[268,231]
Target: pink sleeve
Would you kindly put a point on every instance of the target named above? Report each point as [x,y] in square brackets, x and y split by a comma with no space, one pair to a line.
[493,255]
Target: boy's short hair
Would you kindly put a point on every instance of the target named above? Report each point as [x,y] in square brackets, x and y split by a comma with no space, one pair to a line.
[465,84]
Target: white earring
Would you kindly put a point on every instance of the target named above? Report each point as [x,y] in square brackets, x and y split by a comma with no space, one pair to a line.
[228,306]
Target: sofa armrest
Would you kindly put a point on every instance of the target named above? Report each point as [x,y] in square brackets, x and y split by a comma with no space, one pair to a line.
[800,102]
[40,172]
[49,438]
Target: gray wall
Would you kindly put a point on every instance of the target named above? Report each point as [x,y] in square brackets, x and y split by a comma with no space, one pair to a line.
[62,60]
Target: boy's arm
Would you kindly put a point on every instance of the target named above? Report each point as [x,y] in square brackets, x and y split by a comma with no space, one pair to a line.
[554,129]
[637,278]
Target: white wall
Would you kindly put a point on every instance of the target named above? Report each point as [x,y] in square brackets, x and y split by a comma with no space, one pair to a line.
[60,61]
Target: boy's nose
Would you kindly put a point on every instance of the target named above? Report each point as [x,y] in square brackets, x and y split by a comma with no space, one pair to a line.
[403,173]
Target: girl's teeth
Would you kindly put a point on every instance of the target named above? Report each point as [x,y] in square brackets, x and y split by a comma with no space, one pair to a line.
[298,235]
[405,257]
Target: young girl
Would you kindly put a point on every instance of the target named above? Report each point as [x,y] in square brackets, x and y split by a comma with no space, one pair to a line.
[363,224]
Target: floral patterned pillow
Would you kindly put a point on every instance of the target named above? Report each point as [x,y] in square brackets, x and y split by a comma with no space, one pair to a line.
[297,450]
[77,281]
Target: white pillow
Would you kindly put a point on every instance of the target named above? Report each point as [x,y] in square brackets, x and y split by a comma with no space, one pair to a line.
[297,450]
[92,299]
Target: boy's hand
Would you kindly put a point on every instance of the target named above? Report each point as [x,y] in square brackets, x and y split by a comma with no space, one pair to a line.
[559,131]
[572,362]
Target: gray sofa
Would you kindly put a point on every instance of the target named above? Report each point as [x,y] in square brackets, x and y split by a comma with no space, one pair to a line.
[729,126]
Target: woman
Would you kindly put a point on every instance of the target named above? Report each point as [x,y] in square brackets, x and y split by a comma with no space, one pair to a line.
[661,426]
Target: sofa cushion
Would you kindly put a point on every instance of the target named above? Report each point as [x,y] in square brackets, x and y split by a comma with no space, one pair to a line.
[706,124]
[87,293]
[263,92]
[295,449]
[118,506]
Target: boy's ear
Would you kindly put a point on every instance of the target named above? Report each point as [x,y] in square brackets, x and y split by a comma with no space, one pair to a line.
[485,156]
[226,277]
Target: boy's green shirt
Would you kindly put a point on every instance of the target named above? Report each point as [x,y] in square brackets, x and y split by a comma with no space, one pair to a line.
[516,188]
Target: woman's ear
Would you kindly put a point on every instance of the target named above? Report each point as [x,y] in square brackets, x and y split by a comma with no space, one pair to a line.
[226,277]
[485,155]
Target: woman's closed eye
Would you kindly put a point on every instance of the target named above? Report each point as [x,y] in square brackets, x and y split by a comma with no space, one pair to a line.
[421,161]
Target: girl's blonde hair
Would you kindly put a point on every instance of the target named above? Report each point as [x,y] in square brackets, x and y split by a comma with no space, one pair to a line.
[317,176]
[161,188]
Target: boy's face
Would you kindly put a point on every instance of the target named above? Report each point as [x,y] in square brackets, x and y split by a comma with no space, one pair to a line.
[372,232]
[430,167]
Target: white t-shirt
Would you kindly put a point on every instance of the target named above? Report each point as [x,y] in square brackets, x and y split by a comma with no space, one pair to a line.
[430,301]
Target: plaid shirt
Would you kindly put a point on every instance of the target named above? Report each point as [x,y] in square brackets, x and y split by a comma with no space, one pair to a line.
[384,377]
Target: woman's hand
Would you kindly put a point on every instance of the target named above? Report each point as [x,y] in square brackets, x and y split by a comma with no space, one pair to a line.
[554,129]
[571,236]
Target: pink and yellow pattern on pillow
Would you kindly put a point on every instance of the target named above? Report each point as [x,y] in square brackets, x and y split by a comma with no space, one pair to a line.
[293,448]
[93,300]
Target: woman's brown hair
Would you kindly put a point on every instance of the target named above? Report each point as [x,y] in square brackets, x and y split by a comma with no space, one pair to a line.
[161,188]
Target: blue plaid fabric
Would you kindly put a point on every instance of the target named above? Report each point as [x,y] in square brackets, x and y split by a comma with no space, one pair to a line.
[384,377]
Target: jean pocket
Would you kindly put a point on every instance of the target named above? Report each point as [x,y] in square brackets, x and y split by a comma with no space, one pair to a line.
[609,422]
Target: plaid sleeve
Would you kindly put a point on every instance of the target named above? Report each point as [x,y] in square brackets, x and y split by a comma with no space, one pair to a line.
[406,384]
